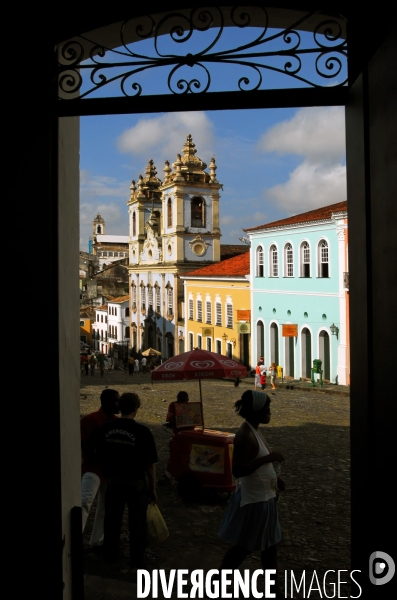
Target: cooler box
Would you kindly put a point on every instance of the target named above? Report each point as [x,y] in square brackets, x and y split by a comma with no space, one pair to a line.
[203,456]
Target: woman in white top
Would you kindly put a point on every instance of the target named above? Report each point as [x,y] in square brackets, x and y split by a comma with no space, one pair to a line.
[251,521]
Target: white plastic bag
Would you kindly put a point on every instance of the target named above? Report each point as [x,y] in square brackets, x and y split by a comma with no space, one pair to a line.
[156,528]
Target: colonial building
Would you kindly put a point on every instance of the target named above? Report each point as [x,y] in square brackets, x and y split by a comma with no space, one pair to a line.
[174,228]
[100,330]
[217,308]
[87,317]
[300,297]
[119,325]
[110,282]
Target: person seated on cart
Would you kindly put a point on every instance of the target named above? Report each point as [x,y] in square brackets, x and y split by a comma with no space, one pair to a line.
[181,398]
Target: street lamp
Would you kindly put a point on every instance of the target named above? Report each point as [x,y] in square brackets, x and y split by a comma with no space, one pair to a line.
[334,330]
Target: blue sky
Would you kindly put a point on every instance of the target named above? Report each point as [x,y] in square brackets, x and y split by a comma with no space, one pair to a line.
[272,163]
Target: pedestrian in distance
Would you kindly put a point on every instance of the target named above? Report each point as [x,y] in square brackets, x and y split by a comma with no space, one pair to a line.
[93,482]
[251,520]
[136,368]
[257,376]
[108,363]
[143,364]
[273,375]
[101,363]
[262,377]
[85,364]
[92,363]
[128,456]
[131,364]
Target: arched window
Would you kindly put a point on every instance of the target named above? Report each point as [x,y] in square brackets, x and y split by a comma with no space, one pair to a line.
[199,310]
[288,261]
[323,259]
[198,212]
[170,301]
[229,313]
[169,212]
[150,297]
[305,259]
[218,311]
[190,308]
[259,262]
[133,289]
[273,261]
[134,224]
[143,298]
[208,310]
[157,299]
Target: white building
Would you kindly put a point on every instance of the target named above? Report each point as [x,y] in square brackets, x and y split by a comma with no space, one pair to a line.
[174,228]
[100,330]
[119,323]
[107,248]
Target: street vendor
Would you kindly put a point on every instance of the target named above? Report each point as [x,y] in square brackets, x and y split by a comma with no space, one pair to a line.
[181,398]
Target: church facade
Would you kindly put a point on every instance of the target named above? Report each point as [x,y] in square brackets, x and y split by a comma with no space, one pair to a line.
[173,229]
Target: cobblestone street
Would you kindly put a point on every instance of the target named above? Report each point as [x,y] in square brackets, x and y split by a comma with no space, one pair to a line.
[310,427]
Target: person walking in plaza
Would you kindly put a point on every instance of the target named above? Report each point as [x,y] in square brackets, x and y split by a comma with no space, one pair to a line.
[128,456]
[273,375]
[93,482]
[92,363]
[101,363]
[108,363]
[257,376]
[136,368]
[131,364]
[143,364]
[262,377]
[85,364]
[251,520]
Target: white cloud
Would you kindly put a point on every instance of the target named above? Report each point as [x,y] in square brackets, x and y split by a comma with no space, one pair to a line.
[310,186]
[318,135]
[228,220]
[97,186]
[259,218]
[163,137]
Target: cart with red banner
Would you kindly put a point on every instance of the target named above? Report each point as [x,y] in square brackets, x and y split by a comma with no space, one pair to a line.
[199,458]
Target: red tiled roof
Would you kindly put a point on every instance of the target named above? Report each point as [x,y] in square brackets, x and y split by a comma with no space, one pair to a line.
[119,299]
[230,250]
[238,265]
[317,214]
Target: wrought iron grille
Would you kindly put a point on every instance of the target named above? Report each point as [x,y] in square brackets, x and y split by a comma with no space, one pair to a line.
[310,52]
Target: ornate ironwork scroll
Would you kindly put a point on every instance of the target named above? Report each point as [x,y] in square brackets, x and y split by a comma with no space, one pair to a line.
[314,58]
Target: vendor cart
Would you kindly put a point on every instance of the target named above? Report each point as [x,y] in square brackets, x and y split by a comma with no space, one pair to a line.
[199,458]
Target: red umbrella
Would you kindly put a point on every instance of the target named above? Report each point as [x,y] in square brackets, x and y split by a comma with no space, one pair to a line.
[199,364]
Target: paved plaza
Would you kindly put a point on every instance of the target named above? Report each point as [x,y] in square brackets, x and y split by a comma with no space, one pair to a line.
[309,426]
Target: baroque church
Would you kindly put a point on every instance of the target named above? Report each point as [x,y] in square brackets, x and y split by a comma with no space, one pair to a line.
[174,228]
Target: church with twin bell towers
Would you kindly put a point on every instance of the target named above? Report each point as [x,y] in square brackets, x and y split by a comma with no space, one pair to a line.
[173,229]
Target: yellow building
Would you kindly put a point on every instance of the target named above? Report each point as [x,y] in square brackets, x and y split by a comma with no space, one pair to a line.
[217,308]
[87,317]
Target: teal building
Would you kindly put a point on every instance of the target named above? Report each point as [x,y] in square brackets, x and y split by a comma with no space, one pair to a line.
[299,293]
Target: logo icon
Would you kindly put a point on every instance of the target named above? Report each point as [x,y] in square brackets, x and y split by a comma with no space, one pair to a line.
[381,568]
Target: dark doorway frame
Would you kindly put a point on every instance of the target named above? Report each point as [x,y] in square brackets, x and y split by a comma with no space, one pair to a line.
[371,128]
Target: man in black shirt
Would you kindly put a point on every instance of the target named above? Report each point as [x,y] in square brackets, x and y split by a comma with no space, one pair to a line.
[128,456]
